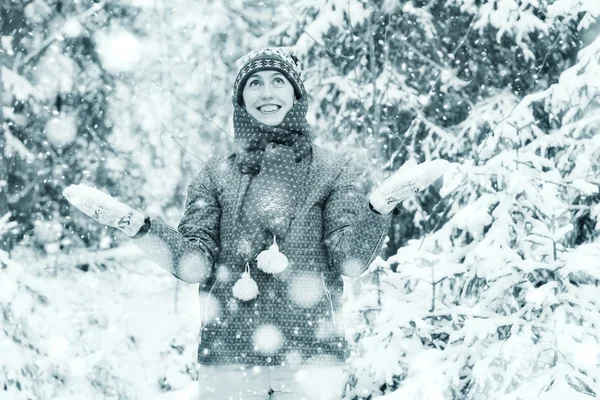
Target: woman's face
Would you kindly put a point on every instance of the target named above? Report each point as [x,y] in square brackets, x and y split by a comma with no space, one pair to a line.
[268,96]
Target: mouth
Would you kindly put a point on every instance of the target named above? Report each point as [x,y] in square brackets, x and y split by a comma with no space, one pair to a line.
[268,108]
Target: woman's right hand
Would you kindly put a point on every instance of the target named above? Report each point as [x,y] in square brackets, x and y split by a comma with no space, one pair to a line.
[104,208]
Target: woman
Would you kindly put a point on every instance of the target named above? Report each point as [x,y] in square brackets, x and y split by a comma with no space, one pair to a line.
[268,231]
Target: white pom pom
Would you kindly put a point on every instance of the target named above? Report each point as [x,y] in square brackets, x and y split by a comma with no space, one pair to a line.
[272,261]
[245,289]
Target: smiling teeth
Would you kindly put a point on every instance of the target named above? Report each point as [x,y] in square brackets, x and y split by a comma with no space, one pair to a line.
[268,108]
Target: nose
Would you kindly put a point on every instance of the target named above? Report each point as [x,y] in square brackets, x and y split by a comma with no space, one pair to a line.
[266,92]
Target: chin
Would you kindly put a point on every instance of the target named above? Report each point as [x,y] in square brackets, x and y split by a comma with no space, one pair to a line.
[270,121]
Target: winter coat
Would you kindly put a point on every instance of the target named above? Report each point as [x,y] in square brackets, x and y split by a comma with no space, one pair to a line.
[297,315]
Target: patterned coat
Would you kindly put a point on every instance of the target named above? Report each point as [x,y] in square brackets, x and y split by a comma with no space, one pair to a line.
[297,316]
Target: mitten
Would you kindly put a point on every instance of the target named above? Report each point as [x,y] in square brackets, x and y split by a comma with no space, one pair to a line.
[409,179]
[104,208]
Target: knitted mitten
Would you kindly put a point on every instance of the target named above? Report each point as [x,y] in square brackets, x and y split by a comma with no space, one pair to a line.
[409,179]
[104,208]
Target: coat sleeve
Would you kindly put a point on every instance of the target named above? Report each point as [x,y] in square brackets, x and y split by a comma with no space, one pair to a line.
[190,251]
[353,232]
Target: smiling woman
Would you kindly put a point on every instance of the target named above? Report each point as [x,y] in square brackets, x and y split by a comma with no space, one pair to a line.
[268,96]
[268,230]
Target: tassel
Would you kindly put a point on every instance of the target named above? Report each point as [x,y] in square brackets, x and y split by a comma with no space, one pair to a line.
[272,261]
[245,289]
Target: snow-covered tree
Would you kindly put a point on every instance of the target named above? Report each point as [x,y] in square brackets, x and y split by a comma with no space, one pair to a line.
[54,104]
[509,275]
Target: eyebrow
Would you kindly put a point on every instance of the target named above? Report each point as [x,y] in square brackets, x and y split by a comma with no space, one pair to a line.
[272,75]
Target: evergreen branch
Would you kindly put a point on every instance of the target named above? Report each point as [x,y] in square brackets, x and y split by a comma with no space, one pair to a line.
[420,54]
[416,119]
[436,209]
[322,45]
[12,142]
[438,130]
[539,68]
[12,5]
[6,59]
[594,118]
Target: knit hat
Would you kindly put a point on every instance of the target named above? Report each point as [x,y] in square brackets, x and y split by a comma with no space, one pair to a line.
[282,59]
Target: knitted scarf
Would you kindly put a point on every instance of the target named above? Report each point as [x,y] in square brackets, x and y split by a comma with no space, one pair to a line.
[273,156]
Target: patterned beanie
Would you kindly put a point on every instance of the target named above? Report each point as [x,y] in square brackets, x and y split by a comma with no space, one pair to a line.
[281,59]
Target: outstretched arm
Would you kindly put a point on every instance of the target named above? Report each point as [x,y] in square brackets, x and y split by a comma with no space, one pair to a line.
[353,231]
[354,228]
[190,251]
[187,253]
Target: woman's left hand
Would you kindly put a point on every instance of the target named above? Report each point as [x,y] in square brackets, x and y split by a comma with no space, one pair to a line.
[409,179]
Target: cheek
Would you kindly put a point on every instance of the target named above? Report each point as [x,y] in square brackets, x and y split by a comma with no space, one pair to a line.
[290,96]
[249,97]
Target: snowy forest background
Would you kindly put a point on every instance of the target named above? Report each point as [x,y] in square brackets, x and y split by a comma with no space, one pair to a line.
[488,287]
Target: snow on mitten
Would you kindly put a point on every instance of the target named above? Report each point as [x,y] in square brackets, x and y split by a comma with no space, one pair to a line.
[272,261]
[245,288]
[104,208]
[405,182]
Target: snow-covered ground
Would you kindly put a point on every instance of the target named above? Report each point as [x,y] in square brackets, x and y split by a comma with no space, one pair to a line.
[123,332]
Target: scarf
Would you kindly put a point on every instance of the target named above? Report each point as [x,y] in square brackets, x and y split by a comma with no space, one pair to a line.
[273,156]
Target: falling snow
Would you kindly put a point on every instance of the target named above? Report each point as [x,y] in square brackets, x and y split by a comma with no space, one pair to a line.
[61,130]
[119,50]
[486,287]
[267,339]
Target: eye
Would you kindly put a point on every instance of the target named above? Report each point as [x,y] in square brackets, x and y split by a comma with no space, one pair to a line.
[253,82]
[279,81]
